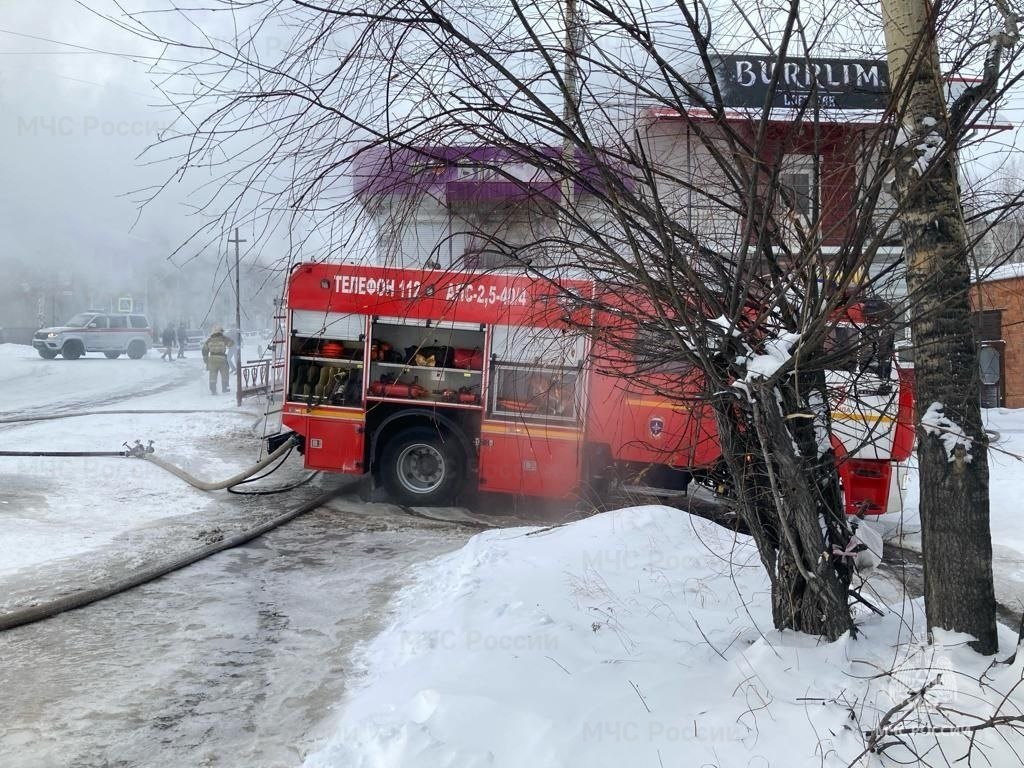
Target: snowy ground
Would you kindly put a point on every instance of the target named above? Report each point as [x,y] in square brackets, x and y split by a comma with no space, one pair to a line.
[1006,489]
[119,511]
[231,662]
[361,635]
[643,637]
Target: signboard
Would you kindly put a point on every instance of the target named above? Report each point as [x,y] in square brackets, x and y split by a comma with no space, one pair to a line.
[124,304]
[475,297]
[835,83]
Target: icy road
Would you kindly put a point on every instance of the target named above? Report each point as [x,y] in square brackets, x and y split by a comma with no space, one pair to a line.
[235,661]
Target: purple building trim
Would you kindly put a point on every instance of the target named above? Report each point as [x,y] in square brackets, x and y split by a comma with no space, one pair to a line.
[465,175]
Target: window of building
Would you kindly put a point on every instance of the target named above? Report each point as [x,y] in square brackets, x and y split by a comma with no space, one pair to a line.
[798,188]
[987,324]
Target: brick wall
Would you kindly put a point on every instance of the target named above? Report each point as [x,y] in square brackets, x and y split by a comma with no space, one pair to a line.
[1007,295]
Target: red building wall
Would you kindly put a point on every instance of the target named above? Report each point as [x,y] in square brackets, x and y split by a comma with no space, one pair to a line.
[1007,295]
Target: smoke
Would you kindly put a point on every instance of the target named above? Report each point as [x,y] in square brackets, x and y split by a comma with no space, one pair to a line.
[80,104]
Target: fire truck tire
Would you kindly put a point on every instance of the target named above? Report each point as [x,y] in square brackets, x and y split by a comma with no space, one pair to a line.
[421,467]
[72,350]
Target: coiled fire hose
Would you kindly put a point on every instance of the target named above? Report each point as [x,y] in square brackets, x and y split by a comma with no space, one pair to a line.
[33,613]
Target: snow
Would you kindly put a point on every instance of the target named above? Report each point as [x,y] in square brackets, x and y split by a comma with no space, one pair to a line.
[928,149]
[66,516]
[639,637]
[764,366]
[1005,272]
[28,383]
[1006,489]
[934,422]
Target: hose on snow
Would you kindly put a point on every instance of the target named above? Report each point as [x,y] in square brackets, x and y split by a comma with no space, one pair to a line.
[205,485]
[120,412]
[65,454]
[139,451]
[34,613]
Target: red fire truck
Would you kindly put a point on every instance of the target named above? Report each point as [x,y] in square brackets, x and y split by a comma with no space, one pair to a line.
[435,380]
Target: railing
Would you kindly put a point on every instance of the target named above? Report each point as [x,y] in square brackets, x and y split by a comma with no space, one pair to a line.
[256,378]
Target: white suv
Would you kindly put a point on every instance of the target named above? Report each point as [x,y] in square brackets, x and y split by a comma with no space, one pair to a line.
[112,334]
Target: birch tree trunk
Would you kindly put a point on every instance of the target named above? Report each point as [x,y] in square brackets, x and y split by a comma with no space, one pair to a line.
[956,541]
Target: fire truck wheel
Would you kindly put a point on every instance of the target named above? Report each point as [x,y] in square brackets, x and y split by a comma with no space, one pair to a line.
[422,468]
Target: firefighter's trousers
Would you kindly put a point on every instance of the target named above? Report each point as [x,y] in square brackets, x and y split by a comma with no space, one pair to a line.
[217,364]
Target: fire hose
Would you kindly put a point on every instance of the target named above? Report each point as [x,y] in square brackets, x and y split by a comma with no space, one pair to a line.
[119,412]
[146,452]
[33,613]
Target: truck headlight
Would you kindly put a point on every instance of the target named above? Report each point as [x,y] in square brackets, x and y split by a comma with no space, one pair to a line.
[51,335]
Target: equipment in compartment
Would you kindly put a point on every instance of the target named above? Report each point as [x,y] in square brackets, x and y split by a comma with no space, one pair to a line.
[387,386]
[462,395]
[318,384]
[535,391]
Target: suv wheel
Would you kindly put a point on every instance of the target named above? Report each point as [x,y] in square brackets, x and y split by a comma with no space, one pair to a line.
[72,350]
[136,349]
[112,355]
[47,354]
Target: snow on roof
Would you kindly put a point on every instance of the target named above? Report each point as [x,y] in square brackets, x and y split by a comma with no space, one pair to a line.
[1004,272]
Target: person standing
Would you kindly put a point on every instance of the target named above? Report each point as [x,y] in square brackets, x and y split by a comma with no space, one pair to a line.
[168,342]
[235,358]
[182,339]
[215,355]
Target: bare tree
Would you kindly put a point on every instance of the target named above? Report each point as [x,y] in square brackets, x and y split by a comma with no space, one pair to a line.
[639,173]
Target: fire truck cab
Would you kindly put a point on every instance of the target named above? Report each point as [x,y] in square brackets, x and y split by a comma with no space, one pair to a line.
[435,380]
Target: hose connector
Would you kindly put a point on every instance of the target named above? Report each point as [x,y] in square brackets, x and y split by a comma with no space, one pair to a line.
[138,450]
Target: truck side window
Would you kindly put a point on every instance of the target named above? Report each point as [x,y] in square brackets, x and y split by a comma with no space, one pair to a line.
[530,391]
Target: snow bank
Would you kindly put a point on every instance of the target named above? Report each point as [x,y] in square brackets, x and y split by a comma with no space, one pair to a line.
[637,637]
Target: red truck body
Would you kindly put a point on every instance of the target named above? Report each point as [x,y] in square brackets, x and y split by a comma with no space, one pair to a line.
[435,379]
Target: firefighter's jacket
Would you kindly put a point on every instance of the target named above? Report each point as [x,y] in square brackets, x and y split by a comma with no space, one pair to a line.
[216,346]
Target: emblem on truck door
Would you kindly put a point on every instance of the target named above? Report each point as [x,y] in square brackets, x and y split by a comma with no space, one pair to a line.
[657,425]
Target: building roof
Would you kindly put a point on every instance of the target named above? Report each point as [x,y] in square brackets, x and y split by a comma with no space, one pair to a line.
[988,274]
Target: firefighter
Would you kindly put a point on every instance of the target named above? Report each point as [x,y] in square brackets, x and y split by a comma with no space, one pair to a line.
[215,355]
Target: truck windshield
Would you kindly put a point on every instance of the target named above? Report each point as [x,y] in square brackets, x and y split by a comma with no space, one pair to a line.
[80,320]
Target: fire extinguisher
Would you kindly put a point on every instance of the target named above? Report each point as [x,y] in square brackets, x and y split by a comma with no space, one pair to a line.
[397,389]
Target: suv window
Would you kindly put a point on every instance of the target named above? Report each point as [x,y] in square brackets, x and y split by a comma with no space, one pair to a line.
[80,320]
[138,321]
[97,322]
[118,321]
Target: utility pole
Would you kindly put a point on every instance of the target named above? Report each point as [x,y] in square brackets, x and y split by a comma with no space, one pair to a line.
[955,538]
[238,319]
[570,112]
